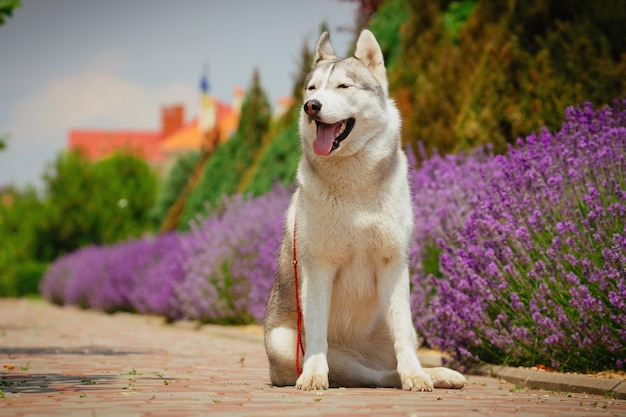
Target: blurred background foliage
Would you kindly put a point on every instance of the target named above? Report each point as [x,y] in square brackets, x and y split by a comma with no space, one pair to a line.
[6,9]
[83,203]
[463,74]
[278,158]
[476,72]
[174,186]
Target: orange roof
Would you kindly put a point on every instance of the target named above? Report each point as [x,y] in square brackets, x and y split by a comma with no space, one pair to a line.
[189,137]
[98,144]
[157,145]
[227,120]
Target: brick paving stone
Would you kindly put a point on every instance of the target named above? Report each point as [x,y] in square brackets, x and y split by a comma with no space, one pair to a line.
[63,361]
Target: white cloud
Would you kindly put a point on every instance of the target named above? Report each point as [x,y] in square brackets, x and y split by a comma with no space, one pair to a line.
[110,61]
[94,99]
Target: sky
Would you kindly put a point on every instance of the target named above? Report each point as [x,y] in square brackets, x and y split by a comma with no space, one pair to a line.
[113,64]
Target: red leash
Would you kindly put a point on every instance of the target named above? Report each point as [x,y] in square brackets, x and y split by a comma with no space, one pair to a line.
[299,346]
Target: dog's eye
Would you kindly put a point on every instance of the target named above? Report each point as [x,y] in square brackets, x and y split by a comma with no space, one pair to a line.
[343,86]
[311,87]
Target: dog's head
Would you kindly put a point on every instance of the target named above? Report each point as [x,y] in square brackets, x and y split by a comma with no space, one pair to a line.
[345,100]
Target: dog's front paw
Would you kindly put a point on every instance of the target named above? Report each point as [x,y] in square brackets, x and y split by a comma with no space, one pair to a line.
[311,382]
[416,381]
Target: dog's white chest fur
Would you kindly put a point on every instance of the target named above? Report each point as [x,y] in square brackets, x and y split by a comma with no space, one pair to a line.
[355,238]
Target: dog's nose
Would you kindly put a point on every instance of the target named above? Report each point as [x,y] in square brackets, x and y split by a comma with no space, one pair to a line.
[312,107]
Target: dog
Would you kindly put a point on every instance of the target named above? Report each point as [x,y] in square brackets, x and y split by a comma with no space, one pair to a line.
[340,299]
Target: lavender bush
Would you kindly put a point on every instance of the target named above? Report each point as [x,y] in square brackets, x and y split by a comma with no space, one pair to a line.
[61,273]
[517,259]
[138,275]
[535,270]
[231,263]
[444,189]
[221,271]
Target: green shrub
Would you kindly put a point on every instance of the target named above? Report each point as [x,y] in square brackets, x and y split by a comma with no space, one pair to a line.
[21,214]
[27,276]
[83,203]
[94,203]
[174,185]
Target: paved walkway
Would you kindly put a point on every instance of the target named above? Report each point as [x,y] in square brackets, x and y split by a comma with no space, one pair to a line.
[68,362]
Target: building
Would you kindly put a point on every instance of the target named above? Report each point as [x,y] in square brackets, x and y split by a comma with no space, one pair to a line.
[216,122]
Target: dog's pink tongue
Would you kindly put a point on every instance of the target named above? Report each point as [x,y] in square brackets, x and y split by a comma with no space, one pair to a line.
[325,137]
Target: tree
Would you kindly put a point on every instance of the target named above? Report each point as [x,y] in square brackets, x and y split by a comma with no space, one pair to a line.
[6,9]
[3,140]
[386,27]
[226,166]
[279,157]
[471,73]
[173,191]
[255,114]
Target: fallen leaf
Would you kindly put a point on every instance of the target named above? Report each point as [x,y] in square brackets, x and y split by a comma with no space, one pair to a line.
[9,367]
[545,368]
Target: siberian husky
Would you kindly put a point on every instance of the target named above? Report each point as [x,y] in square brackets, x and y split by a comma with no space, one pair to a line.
[348,228]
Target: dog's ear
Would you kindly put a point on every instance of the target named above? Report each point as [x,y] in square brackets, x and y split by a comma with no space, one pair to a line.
[368,51]
[324,50]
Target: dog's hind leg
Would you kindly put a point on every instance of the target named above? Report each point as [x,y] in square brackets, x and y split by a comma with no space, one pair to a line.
[280,344]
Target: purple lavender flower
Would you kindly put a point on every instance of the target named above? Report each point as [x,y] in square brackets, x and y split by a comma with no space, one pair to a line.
[538,251]
[231,259]
[138,275]
[153,293]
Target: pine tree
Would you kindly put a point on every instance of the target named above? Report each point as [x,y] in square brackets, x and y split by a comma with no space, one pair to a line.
[279,157]
[226,166]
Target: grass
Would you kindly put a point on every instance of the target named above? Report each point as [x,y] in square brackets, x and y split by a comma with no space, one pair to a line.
[131,385]
[132,371]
